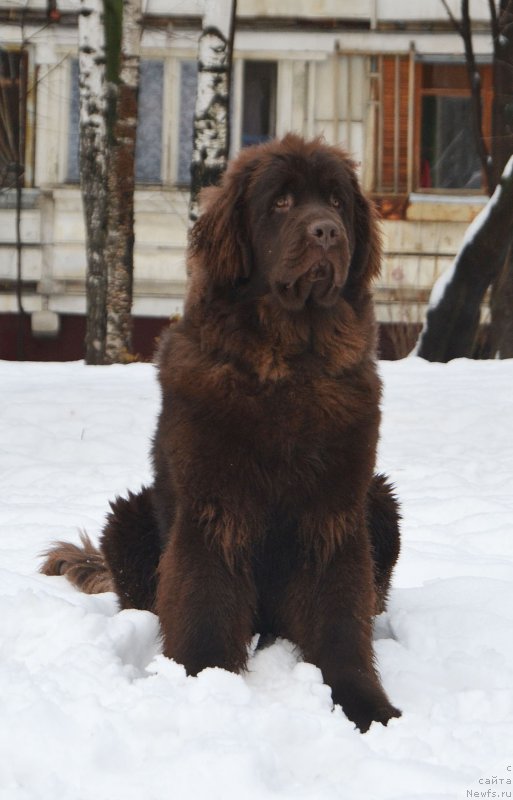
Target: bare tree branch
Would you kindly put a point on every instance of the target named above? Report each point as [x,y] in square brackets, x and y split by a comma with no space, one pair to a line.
[464,28]
[494,22]
[475,90]
[452,17]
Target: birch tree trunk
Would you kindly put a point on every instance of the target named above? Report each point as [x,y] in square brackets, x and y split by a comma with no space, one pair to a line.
[123,87]
[211,139]
[93,171]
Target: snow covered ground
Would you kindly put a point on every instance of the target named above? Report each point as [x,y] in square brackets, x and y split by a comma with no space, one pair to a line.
[90,710]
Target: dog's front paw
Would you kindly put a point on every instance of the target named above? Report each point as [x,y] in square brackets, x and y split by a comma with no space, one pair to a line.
[364,701]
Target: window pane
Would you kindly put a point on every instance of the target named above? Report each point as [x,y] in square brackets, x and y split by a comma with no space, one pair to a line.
[148,149]
[449,158]
[259,100]
[188,84]
[11,126]
[73,125]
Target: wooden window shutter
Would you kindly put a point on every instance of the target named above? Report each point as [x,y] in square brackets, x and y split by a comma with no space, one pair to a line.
[392,172]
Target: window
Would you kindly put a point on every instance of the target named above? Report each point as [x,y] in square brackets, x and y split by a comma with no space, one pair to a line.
[73,174]
[259,101]
[188,83]
[258,121]
[148,146]
[423,126]
[448,156]
[148,151]
[13,93]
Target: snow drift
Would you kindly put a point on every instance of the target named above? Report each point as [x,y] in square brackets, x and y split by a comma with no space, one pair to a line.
[91,710]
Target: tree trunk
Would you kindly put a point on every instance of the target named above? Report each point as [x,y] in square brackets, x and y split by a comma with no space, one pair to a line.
[502,110]
[452,323]
[474,80]
[501,300]
[123,99]
[501,303]
[211,142]
[93,171]
[453,320]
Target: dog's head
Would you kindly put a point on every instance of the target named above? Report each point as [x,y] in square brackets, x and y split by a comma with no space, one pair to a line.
[289,218]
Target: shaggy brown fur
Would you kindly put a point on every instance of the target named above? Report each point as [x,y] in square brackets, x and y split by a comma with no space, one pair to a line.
[84,565]
[264,515]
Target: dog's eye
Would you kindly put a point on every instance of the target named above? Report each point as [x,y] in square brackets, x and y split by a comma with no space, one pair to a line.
[335,202]
[283,203]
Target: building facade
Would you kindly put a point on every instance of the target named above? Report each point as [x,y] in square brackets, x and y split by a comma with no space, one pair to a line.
[384,78]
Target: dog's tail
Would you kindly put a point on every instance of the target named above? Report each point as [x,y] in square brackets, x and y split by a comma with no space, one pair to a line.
[383,518]
[127,559]
[83,565]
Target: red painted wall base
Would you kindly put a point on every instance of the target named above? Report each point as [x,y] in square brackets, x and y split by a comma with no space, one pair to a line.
[18,344]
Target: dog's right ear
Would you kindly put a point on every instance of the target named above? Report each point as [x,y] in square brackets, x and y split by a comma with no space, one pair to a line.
[219,238]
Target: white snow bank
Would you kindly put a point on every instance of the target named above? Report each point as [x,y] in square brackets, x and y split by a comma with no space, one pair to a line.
[90,710]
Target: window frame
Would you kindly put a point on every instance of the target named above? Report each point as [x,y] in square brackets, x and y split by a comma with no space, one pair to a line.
[273,63]
[171,111]
[237,99]
[408,139]
[486,72]
[72,179]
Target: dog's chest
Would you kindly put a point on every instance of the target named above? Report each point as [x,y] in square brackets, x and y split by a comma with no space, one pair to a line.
[298,424]
[299,408]
[305,414]
[304,435]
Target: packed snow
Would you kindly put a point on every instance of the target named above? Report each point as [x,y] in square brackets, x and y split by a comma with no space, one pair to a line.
[91,710]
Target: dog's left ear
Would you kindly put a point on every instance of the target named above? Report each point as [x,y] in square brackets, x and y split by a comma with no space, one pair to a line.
[219,240]
[366,260]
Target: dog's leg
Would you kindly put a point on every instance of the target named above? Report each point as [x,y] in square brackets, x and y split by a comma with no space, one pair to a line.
[131,546]
[206,605]
[327,610]
[383,523]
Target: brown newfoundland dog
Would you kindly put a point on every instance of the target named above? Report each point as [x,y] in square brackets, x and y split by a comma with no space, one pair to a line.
[265,515]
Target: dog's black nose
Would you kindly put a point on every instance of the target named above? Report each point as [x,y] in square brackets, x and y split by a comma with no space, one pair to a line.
[323,232]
